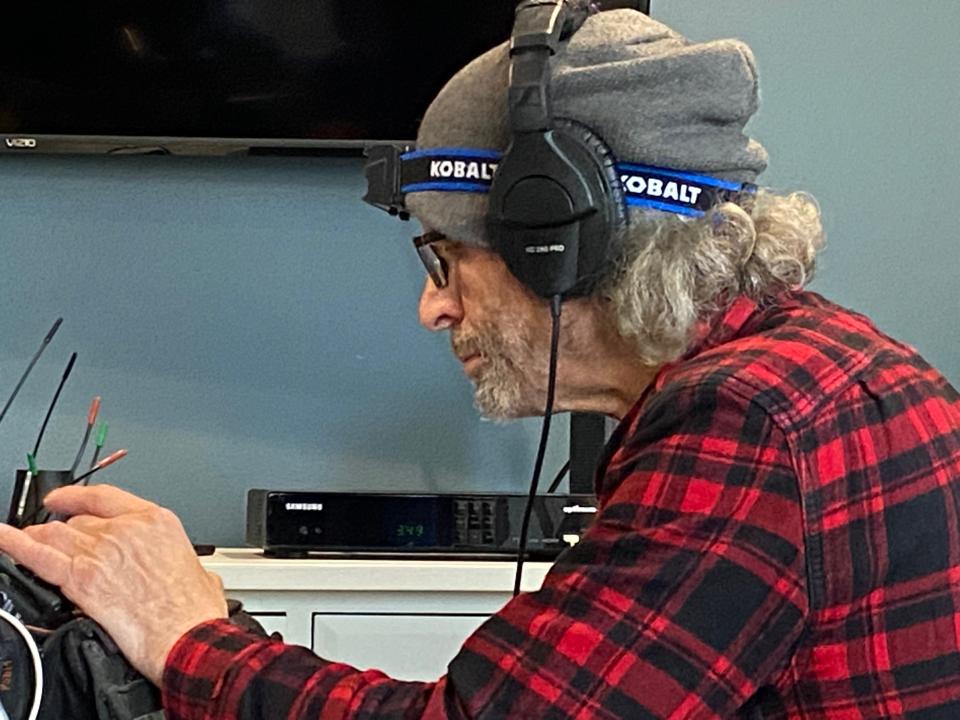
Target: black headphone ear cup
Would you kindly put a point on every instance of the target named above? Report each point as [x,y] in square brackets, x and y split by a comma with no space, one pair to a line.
[606,160]
[557,210]
[600,255]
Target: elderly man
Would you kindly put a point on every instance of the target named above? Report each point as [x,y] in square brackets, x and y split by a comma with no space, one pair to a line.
[779,533]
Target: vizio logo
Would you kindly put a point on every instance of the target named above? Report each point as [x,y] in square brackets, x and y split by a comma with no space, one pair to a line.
[20,143]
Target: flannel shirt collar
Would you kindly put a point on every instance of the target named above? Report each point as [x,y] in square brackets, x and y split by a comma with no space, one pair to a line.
[731,324]
[709,335]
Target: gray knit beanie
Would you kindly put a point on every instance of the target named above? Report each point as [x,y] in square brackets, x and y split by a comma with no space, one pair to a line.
[653,96]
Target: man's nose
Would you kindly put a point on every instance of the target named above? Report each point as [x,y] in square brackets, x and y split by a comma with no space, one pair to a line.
[440,308]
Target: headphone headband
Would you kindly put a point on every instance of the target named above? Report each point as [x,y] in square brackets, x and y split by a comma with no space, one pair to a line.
[537,27]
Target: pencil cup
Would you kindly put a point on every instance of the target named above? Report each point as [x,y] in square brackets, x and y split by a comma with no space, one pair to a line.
[30,510]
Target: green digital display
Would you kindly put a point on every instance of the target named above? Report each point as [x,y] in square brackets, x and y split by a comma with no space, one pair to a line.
[410,523]
[410,531]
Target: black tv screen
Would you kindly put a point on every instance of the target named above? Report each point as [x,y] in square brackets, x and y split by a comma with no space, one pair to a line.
[182,75]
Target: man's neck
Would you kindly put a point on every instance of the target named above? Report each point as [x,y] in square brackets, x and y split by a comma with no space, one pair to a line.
[600,371]
[607,390]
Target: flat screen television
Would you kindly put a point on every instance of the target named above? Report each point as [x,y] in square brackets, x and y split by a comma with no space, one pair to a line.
[232,76]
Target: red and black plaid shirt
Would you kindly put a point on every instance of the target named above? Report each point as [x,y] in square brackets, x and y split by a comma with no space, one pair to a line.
[779,538]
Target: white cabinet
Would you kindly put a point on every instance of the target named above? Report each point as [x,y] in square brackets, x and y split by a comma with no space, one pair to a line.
[406,647]
[407,618]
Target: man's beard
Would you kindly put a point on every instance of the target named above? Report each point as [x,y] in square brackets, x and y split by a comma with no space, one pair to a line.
[502,390]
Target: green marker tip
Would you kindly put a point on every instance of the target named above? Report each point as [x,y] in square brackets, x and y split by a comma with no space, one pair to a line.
[102,434]
[32,464]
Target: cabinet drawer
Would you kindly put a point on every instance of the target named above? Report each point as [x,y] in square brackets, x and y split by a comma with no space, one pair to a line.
[405,646]
[272,621]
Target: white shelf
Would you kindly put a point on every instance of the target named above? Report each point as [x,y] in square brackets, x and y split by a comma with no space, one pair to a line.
[407,617]
[245,569]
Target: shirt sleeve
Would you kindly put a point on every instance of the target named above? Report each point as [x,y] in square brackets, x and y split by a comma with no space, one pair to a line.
[685,598]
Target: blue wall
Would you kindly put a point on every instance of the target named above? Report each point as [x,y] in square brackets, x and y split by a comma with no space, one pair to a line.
[249,323]
[860,105]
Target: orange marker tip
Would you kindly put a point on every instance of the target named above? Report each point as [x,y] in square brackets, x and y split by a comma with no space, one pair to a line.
[110,459]
[94,410]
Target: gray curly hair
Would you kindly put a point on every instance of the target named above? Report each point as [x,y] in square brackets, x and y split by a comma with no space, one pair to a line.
[676,272]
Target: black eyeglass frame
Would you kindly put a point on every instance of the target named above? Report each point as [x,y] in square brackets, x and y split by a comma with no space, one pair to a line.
[436,267]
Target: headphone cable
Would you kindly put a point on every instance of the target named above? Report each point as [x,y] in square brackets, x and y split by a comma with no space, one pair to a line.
[36,661]
[555,302]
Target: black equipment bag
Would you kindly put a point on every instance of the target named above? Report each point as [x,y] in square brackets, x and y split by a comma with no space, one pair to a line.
[85,676]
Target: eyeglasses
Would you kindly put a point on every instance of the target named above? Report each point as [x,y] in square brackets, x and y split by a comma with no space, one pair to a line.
[436,266]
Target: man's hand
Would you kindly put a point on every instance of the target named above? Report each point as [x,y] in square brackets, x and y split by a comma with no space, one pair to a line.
[127,563]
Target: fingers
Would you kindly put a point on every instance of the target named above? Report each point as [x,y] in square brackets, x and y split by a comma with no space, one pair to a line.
[46,561]
[217,580]
[88,524]
[103,501]
[62,537]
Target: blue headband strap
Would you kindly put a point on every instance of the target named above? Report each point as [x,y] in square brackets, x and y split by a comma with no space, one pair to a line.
[472,170]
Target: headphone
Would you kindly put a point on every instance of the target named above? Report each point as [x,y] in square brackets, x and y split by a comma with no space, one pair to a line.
[556,202]
[557,197]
